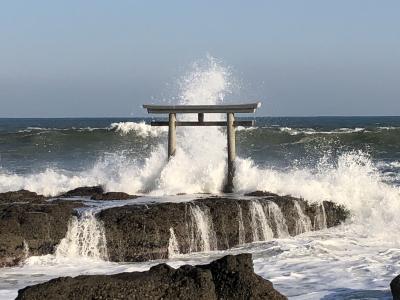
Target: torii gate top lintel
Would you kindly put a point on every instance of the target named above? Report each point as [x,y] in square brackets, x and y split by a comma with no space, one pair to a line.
[225,108]
[230,123]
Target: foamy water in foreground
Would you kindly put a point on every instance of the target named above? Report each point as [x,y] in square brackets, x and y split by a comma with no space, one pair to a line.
[335,264]
[354,261]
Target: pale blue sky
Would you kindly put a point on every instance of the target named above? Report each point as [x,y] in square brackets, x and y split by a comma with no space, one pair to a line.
[105,58]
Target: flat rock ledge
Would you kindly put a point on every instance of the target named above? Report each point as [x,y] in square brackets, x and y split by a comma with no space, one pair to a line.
[30,224]
[140,232]
[231,277]
[97,193]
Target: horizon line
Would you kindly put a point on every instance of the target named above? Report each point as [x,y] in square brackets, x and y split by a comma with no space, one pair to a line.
[147,117]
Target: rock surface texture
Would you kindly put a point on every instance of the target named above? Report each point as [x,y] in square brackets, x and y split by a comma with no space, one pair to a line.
[97,193]
[231,277]
[160,230]
[30,225]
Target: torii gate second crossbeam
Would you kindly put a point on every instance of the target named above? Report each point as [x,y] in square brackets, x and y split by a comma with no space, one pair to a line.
[200,110]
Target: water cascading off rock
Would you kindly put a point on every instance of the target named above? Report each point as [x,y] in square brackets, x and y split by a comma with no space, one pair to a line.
[85,238]
[162,230]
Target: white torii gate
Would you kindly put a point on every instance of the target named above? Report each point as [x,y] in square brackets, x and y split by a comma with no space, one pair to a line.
[230,123]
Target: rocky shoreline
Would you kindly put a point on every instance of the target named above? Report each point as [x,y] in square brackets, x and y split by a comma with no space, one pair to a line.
[140,233]
[231,277]
[32,224]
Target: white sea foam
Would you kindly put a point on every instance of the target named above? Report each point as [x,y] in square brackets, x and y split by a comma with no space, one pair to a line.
[353,182]
[311,131]
[338,263]
[46,129]
[141,129]
[241,128]
[395,164]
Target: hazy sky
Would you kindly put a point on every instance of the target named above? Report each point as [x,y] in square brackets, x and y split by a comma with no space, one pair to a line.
[105,58]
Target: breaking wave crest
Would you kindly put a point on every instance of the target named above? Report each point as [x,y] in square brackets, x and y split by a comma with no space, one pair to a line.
[141,129]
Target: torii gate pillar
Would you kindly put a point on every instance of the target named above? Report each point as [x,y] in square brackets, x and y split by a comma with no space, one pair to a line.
[171,135]
[231,152]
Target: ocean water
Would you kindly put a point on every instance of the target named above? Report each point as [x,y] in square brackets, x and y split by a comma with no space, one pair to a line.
[354,161]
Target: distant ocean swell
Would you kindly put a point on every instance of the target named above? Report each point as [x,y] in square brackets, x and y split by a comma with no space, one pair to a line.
[260,133]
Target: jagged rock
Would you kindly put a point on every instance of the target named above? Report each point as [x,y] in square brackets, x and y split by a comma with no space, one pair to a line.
[32,228]
[231,277]
[21,196]
[87,191]
[395,288]
[113,196]
[143,232]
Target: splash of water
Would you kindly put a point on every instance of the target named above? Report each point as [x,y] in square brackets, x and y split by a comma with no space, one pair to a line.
[141,129]
[242,234]
[279,220]
[353,181]
[259,222]
[303,222]
[202,234]
[85,238]
[199,167]
[320,218]
[173,246]
[26,249]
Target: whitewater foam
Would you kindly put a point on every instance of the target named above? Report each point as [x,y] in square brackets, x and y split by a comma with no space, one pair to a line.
[353,182]
[141,129]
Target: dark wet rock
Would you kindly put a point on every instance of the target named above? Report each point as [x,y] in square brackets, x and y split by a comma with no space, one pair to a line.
[113,196]
[97,193]
[335,213]
[231,277]
[260,194]
[32,228]
[395,288]
[87,191]
[20,197]
[142,232]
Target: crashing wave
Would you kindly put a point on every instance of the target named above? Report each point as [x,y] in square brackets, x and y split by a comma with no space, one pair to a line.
[141,129]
